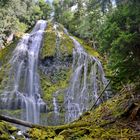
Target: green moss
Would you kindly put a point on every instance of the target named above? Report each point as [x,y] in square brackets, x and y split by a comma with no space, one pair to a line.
[3,75]
[41,134]
[108,111]
[12,113]
[49,88]
[6,130]
[98,124]
[49,43]
[87,48]
[66,45]
[6,53]
[107,133]
[59,138]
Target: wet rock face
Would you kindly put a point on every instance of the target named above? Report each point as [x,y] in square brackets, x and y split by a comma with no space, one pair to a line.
[52,66]
[51,60]
[55,67]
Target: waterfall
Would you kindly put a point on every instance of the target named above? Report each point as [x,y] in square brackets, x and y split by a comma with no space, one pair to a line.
[55,106]
[56,110]
[87,81]
[23,87]
[22,90]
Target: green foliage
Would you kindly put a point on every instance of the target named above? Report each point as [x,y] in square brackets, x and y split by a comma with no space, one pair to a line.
[83,21]
[119,39]
[45,8]
[3,2]
[6,130]
[19,16]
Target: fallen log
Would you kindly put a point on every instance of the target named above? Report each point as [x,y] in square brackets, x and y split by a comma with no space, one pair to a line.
[56,129]
[31,125]
[16,121]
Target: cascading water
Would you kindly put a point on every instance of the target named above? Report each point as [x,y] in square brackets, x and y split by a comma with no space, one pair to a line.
[23,87]
[56,110]
[55,106]
[86,82]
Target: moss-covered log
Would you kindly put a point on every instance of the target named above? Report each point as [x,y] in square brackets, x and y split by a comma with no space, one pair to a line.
[31,125]
[16,121]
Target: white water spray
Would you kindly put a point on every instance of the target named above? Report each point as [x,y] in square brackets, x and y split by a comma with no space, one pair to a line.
[23,88]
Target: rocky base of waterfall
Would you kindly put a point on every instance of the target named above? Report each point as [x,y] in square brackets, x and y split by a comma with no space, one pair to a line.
[10,132]
[117,118]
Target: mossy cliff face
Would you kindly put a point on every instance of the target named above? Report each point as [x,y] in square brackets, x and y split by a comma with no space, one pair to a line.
[116,119]
[88,48]
[55,67]
[50,42]
[5,56]
[56,58]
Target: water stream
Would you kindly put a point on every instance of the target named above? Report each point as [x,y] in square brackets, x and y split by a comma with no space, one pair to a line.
[87,81]
[23,87]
